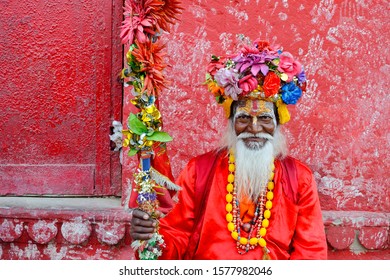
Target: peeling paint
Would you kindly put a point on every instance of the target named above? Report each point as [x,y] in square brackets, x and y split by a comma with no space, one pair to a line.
[42,231]
[110,233]
[9,231]
[53,253]
[77,231]
[356,247]
[335,188]
[30,252]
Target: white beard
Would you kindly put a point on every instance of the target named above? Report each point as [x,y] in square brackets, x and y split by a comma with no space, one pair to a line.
[253,163]
[253,167]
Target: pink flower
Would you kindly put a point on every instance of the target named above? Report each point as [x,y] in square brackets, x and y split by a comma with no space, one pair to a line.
[138,24]
[248,83]
[229,81]
[245,50]
[288,65]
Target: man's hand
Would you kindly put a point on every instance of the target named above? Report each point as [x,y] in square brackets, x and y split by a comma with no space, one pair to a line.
[142,225]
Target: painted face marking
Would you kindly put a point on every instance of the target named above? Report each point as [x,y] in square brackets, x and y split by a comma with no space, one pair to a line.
[255,108]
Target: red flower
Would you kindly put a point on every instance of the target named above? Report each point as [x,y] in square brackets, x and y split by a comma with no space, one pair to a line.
[271,84]
[262,45]
[138,23]
[145,18]
[214,66]
[248,83]
[151,59]
[245,50]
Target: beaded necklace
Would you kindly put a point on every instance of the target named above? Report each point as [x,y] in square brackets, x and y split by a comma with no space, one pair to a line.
[260,221]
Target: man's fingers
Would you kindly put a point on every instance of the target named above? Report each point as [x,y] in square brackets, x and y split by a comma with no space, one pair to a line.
[140,214]
[139,231]
[142,236]
[142,223]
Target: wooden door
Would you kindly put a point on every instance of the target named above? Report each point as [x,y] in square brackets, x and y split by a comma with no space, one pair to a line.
[59,94]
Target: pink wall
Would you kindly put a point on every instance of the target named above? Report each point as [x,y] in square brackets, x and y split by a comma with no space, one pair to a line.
[340,126]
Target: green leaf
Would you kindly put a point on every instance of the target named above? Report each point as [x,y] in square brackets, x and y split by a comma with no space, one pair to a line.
[159,136]
[132,152]
[150,132]
[137,126]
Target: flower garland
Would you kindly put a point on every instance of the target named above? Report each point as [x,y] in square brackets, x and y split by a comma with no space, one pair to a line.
[145,21]
[260,221]
[260,71]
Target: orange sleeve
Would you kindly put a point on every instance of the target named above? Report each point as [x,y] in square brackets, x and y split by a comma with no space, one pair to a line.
[176,226]
[309,241]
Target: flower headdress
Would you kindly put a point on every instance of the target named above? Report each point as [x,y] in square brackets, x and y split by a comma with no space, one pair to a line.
[257,72]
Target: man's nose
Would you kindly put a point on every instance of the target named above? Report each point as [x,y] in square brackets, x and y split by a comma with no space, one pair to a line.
[255,126]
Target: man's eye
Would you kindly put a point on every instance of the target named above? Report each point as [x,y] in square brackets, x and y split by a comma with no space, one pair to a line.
[265,118]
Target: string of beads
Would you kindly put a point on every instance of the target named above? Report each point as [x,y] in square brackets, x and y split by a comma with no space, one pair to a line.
[260,221]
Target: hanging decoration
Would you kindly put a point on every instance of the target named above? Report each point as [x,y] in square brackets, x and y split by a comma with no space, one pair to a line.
[144,22]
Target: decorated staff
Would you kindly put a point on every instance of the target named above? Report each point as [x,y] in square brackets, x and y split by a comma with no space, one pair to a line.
[145,21]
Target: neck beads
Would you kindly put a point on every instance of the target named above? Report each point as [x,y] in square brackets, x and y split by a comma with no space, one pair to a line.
[257,228]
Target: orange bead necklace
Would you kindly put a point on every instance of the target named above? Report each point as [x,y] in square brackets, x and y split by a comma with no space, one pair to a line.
[260,221]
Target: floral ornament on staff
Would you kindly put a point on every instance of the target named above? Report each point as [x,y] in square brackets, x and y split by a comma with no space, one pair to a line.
[145,21]
[259,71]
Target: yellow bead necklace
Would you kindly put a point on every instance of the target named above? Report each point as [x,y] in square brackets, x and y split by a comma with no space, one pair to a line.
[261,216]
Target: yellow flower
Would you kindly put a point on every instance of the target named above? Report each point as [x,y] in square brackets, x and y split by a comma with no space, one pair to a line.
[153,111]
[146,117]
[127,136]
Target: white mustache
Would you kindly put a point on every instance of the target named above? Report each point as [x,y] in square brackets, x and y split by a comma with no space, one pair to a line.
[263,135]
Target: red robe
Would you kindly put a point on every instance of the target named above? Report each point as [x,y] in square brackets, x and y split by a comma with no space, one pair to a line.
[296,230]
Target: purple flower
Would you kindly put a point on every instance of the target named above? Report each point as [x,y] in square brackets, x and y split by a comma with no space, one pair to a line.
[256,62]
[229,81]
[291,93]
[142,197]
[301,77]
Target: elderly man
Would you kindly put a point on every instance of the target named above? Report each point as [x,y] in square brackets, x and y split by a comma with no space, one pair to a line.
[247,200]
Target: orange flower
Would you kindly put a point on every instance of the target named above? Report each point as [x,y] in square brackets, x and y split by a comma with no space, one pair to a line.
[151,58]
[167,14]
[214,88]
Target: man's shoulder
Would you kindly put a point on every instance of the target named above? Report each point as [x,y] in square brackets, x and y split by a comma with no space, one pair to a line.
[300,166]
[209,156]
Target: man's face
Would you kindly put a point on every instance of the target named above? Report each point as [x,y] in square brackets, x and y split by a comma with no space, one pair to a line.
[251,118]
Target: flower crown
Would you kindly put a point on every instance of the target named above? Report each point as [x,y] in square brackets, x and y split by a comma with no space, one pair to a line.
[257,72]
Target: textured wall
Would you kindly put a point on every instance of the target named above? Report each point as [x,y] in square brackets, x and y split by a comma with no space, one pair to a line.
[340,126]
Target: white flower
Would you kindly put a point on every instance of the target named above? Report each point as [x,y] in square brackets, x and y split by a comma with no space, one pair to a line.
[117,135]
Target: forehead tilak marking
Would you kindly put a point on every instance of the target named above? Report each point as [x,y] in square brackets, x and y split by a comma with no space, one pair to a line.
[255,107]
